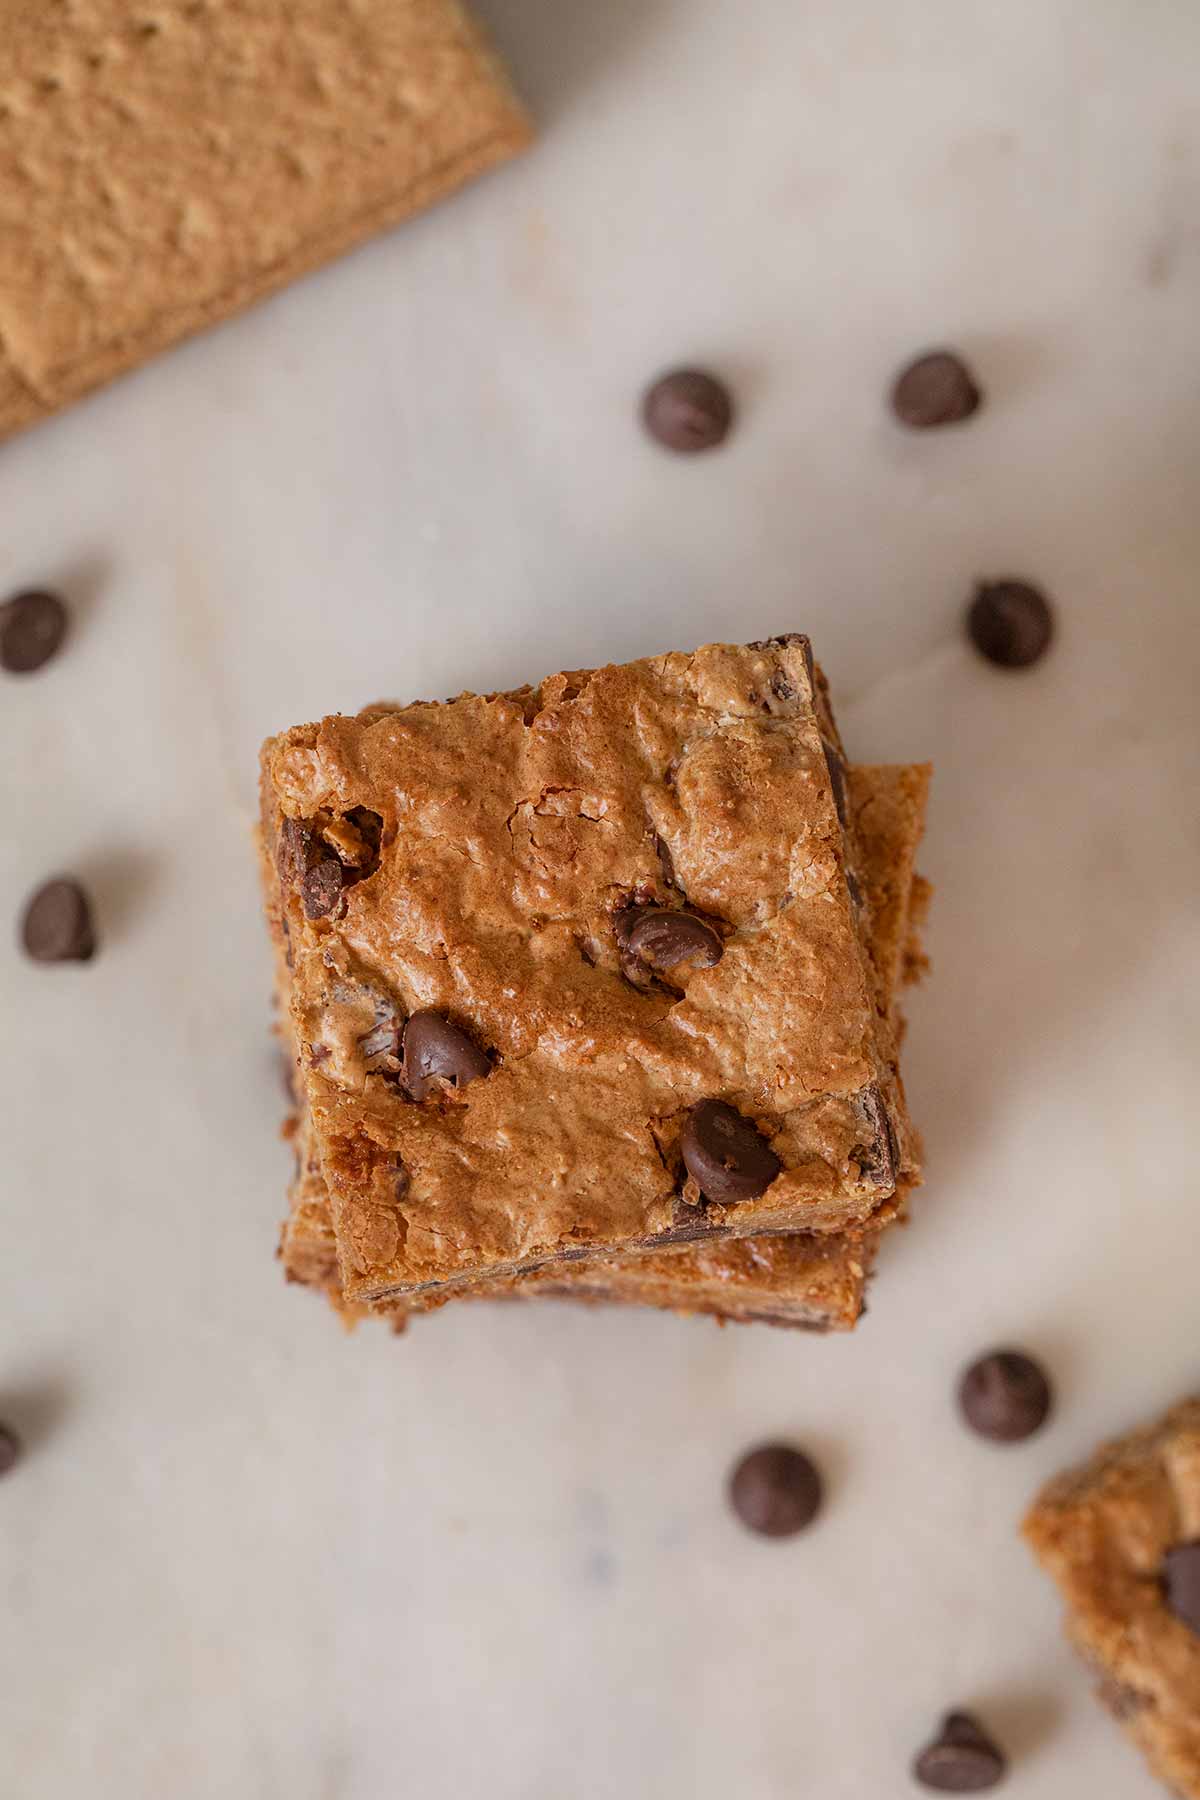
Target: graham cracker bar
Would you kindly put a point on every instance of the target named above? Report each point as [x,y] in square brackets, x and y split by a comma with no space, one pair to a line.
[162,167]
[800,1280]
[554,952]
[1121,1538]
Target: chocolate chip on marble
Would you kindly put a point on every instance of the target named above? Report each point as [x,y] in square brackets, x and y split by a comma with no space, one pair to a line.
[775,1490]
[321,888]
[936,389]
[1010,623]
[32,628]
[962,1759]
[663,937]
[1005,1396]
[10,1449]
[726,1155]
[434,1049]
[837,777]
[57,924]
[687,410]
[1181,1583]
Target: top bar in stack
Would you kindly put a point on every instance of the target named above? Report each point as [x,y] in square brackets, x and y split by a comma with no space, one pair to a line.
[580,970]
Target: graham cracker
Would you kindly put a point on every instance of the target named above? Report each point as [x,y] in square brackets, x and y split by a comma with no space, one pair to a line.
[164,166]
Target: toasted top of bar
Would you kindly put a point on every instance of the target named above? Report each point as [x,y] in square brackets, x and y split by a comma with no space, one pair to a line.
[161,166]
[791,1279]
[1105,1531]
[482,858]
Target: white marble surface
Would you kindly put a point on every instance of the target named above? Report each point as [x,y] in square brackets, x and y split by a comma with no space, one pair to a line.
[247,1557]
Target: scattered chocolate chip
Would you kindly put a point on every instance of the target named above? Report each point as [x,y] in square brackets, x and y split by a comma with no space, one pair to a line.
[292,848]
[1005,1396]
[57,926]
[32,628]
[10,1449]
[687,410]
[434,1049]
[781,687]
[1010,623]
[1181,1583]
[962,1759]
[726,1155]
[837,777]
[775,1490]
[936,389]
[321,888]
[662,937]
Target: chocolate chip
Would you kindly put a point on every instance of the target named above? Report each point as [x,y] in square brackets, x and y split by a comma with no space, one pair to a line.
[837,777]
[878,1160]
[1121,1700]
[1181,1583]
[775,1491]
[1010,623]
[321,888]
[687,410]
[936,389]
[10,1449]
[57,925]
[661,938]
[1005,1396]
[32,628]
[434,1049]
[292,848]
[962,1759]
[726,1156]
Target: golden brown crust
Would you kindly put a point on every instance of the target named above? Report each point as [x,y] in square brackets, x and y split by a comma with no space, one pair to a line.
[512,833]
[161,171]
[1102,1532]
[818,1283]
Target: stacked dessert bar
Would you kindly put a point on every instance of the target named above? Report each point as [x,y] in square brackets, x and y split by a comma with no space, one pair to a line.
[590,990]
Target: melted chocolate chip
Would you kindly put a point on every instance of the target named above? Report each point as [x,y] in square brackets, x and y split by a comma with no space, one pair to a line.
[1005,1396]
[57,926]
[32,628]
[879,1160]
[936,389]
[726,1156]
[962,1759]
[1010,623]
[1181,1583]
[661,938]
[837,777]
[434,1049]
[321,888]
[292,848]
[688,410]
[775,1491]
[10,1449]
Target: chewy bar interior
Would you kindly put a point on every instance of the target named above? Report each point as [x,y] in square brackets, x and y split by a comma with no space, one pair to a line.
[162,167]
[578,971]
[799,1280]
[1121,1538]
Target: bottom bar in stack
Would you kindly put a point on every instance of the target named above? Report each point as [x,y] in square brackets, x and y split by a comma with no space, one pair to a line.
[808,1281]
